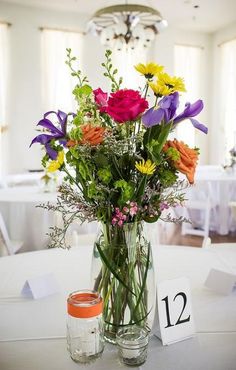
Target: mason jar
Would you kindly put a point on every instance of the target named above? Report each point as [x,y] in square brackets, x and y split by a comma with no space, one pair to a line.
[85,333]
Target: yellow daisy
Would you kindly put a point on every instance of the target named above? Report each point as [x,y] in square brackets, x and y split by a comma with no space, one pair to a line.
[159,89]
[55,165]
[149,70]
[147,168]
[173,83]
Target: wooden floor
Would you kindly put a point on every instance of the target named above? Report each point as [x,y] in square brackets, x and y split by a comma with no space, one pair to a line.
[175,238]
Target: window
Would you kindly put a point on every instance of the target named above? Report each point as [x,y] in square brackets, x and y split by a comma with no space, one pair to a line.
[187,61]
[227,94]
[57,80]
[3,96]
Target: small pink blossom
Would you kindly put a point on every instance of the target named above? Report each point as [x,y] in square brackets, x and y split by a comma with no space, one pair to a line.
[163,206]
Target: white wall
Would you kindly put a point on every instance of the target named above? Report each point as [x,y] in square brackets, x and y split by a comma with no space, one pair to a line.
[25,95]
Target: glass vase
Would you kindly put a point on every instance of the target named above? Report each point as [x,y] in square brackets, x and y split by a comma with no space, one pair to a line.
[123,273]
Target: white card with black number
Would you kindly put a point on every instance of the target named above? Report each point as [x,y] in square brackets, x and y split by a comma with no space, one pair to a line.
[174,318]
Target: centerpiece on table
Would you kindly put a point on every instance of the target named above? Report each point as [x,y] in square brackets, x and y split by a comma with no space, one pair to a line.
[121,170]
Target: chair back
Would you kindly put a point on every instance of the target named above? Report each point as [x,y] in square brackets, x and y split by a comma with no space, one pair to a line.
[5,243]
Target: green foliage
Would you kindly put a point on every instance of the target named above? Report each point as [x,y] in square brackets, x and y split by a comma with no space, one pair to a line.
[104,174]
[75,72]
[76,133]
[173,154]
[110,72]
[44,160]
[167,177]
[126,191]
[82,90]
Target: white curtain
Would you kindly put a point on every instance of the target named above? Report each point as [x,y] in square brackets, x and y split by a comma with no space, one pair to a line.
[187,63]
[125,60]
[3,96]
[227,95]
[57,80]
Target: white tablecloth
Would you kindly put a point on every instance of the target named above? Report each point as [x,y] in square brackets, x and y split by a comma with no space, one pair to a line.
[222,190]
[32,332]
[23,219]
[29,223]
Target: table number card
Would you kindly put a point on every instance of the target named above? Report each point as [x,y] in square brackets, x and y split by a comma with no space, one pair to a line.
[174,317]
[40,286]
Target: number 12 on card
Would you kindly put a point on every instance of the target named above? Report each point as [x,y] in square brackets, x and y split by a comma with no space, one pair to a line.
[174,310]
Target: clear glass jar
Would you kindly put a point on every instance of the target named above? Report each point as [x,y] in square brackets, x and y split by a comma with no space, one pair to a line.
[123,273]
[132,342]
[85,333]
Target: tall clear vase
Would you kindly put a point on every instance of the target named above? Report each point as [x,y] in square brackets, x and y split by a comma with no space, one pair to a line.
[123,273]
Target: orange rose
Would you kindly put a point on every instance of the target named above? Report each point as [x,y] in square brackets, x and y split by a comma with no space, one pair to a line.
[188,158]
[92,135]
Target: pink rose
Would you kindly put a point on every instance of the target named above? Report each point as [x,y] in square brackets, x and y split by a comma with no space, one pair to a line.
[126,105]
[101,99]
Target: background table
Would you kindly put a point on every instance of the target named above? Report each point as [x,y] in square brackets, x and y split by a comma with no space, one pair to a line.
[29,223]
[23,219]
[32,332]
[221,185]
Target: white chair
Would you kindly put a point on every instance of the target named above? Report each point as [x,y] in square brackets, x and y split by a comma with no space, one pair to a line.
[233,209]
[7,246]
[206,243]
[200,201]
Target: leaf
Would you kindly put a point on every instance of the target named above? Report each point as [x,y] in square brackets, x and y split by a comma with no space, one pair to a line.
[152,133]
[83,90]
[112,268]
[101,160]
[163,135]
[141,188]
[144,279]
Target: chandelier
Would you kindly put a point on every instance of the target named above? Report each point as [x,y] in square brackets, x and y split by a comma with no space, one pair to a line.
[129,26]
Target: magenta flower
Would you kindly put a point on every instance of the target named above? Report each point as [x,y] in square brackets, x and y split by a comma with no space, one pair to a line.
[101,99]
[126,105]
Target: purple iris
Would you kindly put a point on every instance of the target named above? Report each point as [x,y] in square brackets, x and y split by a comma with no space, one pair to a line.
[55,132]
[167,111]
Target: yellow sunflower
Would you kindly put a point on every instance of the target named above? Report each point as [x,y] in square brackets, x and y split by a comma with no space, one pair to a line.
[57,163]
[166,85]
[149,70]
[147,168]
[173,83]
[159,89]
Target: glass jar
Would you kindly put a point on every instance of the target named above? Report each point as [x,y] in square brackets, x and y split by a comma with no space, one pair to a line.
[123,273]
[85,340]
[132,344]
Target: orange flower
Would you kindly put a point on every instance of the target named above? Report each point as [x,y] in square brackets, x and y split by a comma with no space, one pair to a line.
[92,135]
[71,143]
[188,158]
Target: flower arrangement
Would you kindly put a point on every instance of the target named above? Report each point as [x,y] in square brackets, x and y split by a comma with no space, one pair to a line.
[120,168]
[115,150]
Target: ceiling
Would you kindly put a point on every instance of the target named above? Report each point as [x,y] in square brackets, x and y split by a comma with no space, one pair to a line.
[196,15]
